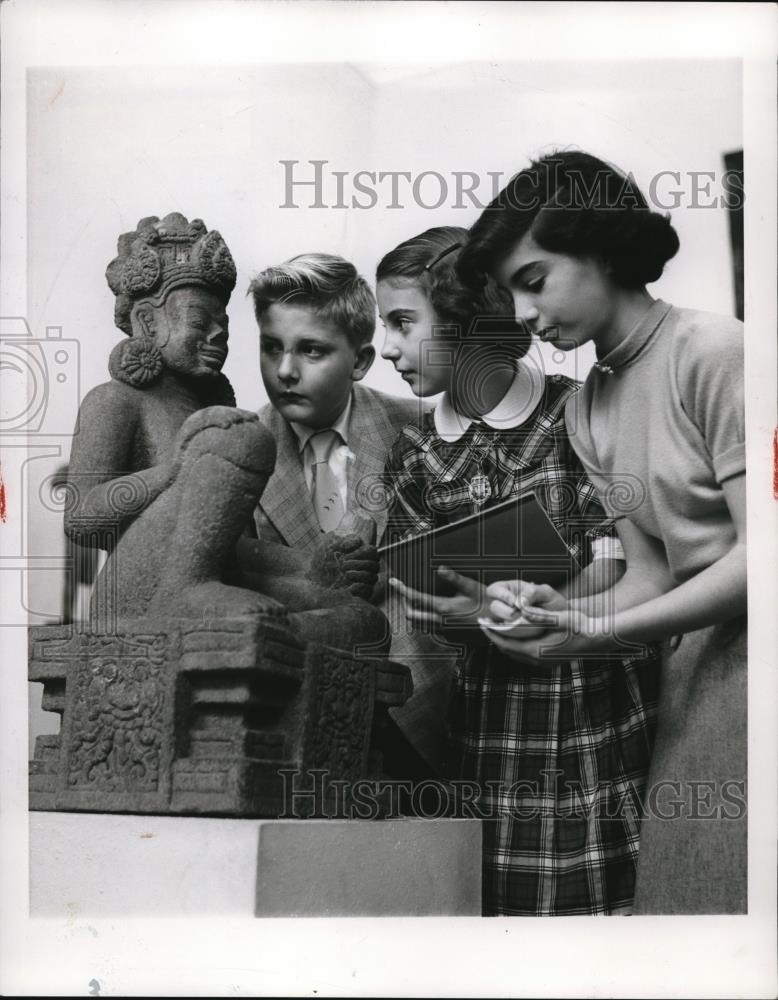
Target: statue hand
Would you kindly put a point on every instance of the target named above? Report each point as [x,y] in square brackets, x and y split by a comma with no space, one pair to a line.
[234,435]
[345,562]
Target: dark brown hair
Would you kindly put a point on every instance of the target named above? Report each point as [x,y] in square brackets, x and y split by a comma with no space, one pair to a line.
[576,204]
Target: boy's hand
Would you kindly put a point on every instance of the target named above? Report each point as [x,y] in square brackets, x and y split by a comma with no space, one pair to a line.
[345,562]
[466,606]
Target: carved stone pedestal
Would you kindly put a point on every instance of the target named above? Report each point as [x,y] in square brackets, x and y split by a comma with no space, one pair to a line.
[187,717]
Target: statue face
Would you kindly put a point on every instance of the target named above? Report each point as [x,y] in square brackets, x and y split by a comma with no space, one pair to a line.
[191,330]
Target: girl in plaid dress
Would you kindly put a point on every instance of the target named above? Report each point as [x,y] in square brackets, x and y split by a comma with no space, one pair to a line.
[559,752]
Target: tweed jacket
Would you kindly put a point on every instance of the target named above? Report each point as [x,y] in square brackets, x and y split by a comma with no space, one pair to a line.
[285,513]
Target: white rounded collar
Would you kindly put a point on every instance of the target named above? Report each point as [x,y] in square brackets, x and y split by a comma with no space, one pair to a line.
[517,405]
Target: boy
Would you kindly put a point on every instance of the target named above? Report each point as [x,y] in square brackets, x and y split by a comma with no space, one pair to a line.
[316,318]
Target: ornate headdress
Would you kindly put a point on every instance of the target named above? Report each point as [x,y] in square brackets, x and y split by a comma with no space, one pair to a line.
[162,255]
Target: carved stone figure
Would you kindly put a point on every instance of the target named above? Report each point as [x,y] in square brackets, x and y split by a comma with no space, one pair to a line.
[168,494]
[213,661]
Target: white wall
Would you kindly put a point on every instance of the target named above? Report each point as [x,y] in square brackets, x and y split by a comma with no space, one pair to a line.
[107,147]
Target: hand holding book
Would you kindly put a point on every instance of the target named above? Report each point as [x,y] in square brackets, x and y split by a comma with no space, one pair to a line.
[464,607]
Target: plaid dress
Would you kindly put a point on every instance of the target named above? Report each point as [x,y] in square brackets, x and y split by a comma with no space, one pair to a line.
[560,753]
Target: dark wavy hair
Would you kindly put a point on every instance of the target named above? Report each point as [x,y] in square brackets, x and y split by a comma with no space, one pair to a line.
[429,260]
[575,204]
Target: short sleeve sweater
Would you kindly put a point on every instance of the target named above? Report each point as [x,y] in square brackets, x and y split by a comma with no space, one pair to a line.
[659,427]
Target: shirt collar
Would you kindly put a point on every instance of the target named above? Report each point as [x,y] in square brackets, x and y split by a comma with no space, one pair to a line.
[517,405]
[341,425]
[635,341]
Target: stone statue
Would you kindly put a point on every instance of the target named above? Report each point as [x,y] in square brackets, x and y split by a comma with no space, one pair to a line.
[165,472]
[213,662]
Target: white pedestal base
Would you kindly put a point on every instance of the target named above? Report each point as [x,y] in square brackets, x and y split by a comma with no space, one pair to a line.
[89,864]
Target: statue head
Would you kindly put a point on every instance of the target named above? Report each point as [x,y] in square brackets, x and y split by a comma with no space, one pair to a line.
[172,280]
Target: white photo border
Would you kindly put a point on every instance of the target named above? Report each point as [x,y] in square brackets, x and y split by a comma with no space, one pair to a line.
[662,957]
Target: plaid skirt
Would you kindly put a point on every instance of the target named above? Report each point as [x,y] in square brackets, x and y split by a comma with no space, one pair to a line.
[559,757]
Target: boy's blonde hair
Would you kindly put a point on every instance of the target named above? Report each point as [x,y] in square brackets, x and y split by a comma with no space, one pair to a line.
[327,284]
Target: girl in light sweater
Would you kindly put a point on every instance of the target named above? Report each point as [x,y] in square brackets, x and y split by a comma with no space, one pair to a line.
[659,427]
